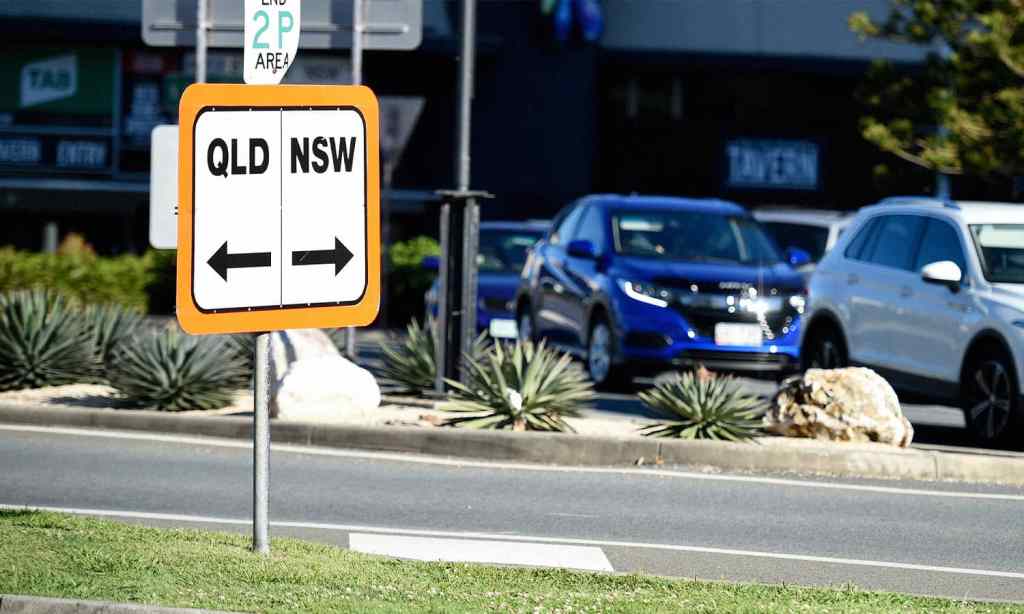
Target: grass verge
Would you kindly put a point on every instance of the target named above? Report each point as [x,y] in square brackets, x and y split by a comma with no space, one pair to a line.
[58,555]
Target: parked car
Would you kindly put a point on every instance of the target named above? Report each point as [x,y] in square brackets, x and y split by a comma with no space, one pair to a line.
[502,253]
[813,230]
[637,284]
[930,294]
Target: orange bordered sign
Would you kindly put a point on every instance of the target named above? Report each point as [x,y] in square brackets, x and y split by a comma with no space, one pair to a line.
[279,207]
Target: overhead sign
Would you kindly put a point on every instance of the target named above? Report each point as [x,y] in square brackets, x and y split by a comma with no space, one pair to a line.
[279,212]
[271,39]
[163,187]
[326,24]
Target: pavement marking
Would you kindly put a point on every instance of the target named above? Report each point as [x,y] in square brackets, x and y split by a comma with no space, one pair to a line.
[503,537]
[481,551]
[464,463]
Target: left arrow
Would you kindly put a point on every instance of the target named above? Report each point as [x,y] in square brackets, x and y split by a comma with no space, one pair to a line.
[221,260]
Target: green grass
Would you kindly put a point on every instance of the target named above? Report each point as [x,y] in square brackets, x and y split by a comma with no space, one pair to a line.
[64,556]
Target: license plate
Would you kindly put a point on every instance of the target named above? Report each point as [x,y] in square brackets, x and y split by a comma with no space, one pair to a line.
[727,333]
[501,328]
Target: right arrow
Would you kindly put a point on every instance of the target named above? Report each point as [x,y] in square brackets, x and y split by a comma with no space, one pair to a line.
[339,256]
[221,260]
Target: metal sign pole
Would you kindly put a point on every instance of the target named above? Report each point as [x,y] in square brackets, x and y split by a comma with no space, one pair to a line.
[261,447]
[357,79]
[201,29]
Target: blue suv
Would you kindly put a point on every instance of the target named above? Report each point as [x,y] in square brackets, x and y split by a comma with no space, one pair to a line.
[635,285]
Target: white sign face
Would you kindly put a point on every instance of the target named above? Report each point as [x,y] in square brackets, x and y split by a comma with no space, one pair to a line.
[279,208]
[271,39]
[163,187]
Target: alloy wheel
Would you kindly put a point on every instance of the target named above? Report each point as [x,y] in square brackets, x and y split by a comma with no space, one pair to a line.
[599,355]
[989,399]
[525,327]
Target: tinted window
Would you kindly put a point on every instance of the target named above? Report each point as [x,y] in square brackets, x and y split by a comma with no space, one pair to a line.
[811,239]
[1001,248]
[855,249]
[693,236]
[504,251]
[940,242]
[895,241]
[592,228]
[564,228]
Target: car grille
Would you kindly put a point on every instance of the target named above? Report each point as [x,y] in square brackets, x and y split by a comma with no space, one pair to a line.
[703,320]
[491,303]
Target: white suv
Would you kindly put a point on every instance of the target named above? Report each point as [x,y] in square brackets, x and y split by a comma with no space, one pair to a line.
[930,294]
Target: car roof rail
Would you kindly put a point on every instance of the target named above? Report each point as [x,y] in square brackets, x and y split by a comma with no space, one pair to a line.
[919,200]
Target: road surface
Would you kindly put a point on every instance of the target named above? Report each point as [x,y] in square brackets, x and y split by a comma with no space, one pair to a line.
[954,540]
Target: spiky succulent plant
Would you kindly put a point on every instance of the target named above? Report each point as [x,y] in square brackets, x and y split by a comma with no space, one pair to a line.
[703,406]
[172,371]
[43,341]
[520,386]
[411,364]
[110,326]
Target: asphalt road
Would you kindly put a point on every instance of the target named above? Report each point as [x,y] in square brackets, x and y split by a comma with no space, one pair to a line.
[954,540]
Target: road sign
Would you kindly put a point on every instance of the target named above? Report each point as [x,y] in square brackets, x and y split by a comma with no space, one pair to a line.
[279,208]
[163,187]
[326,24]
[271,39]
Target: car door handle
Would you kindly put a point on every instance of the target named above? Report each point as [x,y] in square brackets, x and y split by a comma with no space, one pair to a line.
[853,279]
[906,292]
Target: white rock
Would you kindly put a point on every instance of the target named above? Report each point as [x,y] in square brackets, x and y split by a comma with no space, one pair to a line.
[311,380]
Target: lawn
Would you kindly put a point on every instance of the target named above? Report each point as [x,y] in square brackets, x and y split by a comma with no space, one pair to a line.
[58,555]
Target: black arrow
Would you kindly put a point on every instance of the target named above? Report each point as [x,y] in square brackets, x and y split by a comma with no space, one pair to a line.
[221,261]
[339,256]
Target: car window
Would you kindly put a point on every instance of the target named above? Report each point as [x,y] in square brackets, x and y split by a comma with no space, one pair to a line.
[896,239]
[1001,249]
[812,239]
[940,242]
[564,228]
[693,236]
[504,251]
[591,228]
[855,249]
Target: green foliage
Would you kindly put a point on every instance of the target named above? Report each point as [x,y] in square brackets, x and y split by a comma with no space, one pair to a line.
[521,386]
[110,327]
[974,91]
[43,342]
[704,406]
[411,364]
[172,371]
[80,276]
[407,280]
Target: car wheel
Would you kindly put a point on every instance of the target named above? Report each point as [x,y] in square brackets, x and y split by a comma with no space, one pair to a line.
[524,324]
[824,350]
[989,389]
[600,346]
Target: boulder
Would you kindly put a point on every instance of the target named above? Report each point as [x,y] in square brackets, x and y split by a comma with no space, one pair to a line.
[311,380]
[853,404]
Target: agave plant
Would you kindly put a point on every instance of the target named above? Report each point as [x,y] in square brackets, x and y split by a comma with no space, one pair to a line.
[244,347]
[172,371]
[704,406]
[110,327]
[521,386]
[411,365]
[43,342]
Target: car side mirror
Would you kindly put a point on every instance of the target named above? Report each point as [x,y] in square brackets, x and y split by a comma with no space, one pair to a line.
[944,272]
[431,263]
[582,248]
[797,257]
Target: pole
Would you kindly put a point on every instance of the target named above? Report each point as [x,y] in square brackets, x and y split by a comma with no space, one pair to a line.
[357,79]
[466,90]
[261,447]
[201,27]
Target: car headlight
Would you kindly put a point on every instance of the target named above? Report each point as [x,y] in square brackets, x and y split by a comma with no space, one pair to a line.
[798,302]
[646,293]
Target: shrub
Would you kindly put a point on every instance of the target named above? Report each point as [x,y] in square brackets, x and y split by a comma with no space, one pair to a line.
[43,342]
[172,371]
[411,366]
[521,386]
[110,326]
[704,406]
[407,280]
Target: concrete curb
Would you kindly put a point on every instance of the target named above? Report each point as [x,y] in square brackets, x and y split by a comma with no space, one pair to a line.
[20,604]
[772,455]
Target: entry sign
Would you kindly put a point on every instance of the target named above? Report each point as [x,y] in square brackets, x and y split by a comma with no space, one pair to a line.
[271,39]
[279,216]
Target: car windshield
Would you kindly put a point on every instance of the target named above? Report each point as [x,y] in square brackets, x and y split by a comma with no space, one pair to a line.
[693,236]
[504,251]
[811,239]
[1001,249]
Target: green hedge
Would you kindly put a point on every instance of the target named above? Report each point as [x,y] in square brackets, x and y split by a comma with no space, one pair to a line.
[142,282]
[408,281]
